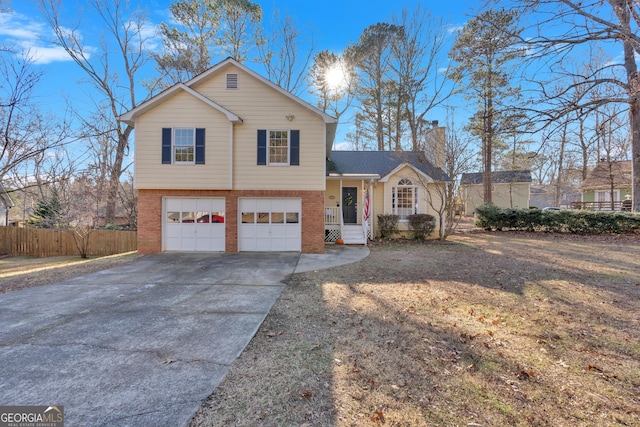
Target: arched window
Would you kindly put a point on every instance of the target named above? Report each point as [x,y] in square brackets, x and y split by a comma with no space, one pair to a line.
[405,199]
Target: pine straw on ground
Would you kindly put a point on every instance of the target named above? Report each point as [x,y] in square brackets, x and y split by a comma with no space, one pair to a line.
[486,329]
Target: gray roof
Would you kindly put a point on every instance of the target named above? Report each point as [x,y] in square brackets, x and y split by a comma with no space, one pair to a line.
[606,173]
[380,163]
[497,177]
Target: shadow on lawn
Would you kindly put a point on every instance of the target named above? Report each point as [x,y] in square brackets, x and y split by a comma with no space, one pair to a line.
[491,331]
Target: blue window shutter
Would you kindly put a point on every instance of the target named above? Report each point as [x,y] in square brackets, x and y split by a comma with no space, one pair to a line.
[199,146]
[295,148]
[262,146]
[166,146]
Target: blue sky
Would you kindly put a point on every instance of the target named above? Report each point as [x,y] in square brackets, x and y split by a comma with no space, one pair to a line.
[334,25]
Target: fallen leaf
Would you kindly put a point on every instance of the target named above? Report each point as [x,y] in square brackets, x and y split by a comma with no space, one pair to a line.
[378,416]
[524,375]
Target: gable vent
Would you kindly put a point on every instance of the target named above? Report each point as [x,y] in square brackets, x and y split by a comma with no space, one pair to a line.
[232,81]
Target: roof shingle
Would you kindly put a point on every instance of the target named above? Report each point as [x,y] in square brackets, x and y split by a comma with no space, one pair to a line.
[380,163]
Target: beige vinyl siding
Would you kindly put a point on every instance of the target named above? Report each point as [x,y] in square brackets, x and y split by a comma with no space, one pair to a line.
[503,195]
[262,107]
[424,207]
[182,110]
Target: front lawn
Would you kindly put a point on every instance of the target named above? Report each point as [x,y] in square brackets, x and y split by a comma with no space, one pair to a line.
[486,329]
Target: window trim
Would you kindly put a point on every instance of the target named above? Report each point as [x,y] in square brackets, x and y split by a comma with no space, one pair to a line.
[268,147]
[415,191]
[174,145]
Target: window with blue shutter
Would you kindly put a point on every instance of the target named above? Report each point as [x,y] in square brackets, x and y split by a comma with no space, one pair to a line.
[278,147]
[295,148]
[262,147]
[200,146]
[166,146]
[183,146]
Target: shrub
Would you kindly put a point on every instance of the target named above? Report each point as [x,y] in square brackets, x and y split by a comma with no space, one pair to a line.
[487,216]
[491,217]
[422,225]
[387,224]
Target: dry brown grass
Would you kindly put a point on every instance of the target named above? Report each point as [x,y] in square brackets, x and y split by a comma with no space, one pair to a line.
[21,272]
[495,329]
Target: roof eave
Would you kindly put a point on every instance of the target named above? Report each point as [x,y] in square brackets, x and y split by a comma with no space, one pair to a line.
[229,61]
[130,116]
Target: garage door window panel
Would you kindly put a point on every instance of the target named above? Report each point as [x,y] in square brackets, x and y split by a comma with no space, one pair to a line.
[248,217]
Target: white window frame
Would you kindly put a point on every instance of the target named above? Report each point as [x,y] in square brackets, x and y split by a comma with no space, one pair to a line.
[192,145]
[406,184]
[605,195]
[269,147]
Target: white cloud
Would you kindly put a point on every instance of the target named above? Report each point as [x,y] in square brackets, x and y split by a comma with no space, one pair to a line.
[47,55]
[27,34]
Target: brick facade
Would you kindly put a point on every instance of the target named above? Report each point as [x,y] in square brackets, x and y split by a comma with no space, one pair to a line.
[150,216]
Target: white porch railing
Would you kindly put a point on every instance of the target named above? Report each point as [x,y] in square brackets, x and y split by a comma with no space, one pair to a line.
[332,215]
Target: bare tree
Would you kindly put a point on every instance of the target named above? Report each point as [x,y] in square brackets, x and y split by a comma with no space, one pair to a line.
[239,34]
[201,30]
[565,28]
[26,133]
[332,81]
[458,156]
[418,55]
[113,75]
[371,55]
[281,54]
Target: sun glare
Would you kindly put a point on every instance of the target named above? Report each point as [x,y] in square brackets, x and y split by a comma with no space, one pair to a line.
[336,78]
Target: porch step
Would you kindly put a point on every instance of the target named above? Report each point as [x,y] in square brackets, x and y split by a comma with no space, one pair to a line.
[353,235]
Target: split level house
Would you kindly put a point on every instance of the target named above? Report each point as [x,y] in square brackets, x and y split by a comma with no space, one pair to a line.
[510,189]
[231,162]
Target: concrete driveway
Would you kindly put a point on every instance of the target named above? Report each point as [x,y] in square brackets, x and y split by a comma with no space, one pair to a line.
[144,343]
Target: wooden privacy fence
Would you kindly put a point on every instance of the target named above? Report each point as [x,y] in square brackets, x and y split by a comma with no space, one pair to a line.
[42,242]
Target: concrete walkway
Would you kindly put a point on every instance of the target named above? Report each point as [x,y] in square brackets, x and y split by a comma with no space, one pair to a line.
[144,343]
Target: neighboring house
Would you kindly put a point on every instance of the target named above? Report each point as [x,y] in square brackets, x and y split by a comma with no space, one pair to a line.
[5,204]
[606,183]
[229,161]
[510,189]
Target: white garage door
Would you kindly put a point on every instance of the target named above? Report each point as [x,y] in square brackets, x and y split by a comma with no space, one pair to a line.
[194,224]
[270,224]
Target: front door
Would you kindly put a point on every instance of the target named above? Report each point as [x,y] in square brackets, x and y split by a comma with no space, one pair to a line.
[350,205]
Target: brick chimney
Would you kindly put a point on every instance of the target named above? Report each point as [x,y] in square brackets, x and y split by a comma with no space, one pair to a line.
[434,144]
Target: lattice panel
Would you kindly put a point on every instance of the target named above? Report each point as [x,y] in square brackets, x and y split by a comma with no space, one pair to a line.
[331,234]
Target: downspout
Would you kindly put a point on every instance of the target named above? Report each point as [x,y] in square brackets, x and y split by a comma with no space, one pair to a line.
[230,155]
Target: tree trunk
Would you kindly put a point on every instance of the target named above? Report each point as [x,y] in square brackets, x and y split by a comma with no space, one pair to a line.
[487,180]
[115,174]
[621,10]
[563,142]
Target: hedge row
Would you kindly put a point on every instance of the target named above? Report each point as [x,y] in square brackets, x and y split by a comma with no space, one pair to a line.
[491,217]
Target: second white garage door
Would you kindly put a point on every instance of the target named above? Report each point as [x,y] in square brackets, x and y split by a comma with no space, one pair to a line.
[270,224]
